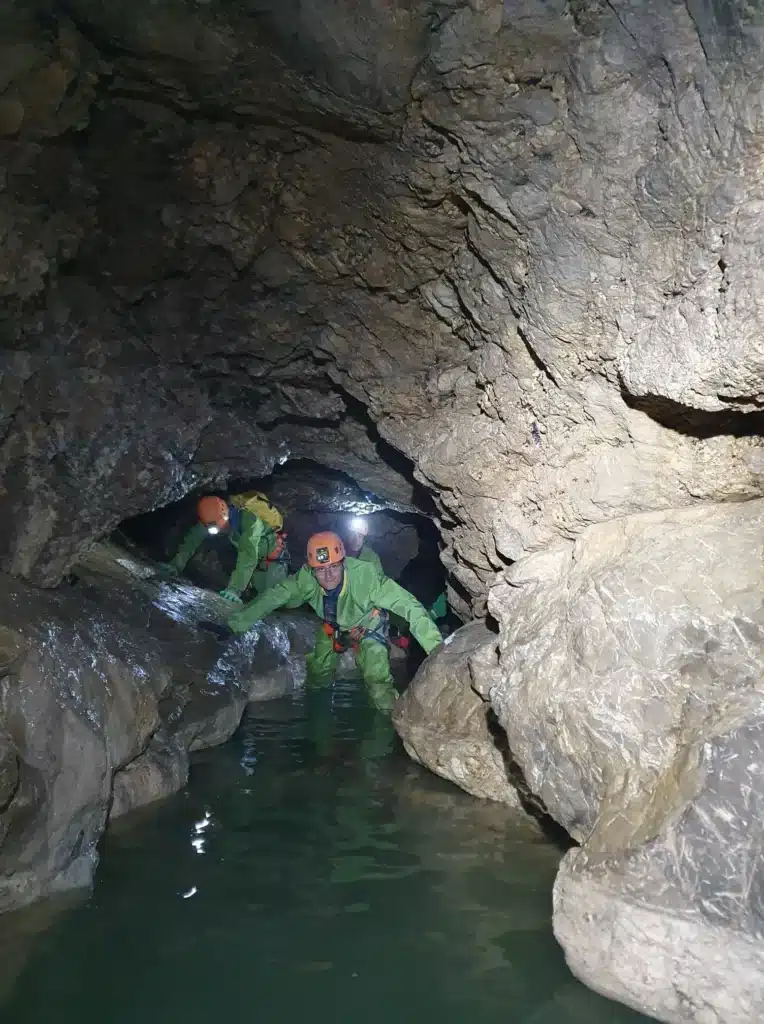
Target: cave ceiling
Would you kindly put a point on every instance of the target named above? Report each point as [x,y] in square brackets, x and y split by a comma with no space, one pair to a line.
[504,257]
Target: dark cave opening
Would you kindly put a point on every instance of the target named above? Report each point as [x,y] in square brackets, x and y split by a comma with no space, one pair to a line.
[700,423]
[311,498]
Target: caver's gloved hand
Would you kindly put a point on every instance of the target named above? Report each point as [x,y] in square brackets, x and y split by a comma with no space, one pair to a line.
[231,595]
[235,624]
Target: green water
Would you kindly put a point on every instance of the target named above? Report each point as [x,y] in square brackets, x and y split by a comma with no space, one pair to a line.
[307,875]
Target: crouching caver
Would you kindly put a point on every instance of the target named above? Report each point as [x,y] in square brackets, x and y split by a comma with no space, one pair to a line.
[352,600]
[255,528]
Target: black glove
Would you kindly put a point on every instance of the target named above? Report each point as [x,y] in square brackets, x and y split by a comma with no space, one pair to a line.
[222,632]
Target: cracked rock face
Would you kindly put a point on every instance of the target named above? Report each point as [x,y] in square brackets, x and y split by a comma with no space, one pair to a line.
[520,242]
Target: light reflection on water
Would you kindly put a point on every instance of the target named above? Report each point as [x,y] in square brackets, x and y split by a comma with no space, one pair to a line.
[310,872]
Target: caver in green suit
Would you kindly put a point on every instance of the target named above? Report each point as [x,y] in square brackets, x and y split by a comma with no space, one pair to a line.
[358,619]
[254,540]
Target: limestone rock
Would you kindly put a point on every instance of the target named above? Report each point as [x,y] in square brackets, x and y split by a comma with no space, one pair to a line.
[13,649]
[107,688]
[74,712]
[518,244]
[631,696]
[9,770]
[162,769]
[515,248]
[446,725]
[656,957]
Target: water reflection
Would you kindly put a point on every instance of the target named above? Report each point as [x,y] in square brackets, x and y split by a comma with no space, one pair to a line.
[337,880]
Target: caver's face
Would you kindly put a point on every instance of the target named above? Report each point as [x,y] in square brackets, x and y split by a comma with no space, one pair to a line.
[329,576]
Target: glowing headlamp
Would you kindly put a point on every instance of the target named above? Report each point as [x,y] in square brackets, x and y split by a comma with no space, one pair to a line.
[213,529]
[322,555]
[359,525]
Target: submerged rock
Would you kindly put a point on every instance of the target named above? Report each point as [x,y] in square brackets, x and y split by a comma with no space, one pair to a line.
[106,687]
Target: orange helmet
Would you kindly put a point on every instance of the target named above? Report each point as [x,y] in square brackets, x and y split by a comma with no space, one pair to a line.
[325,549]
[213,513]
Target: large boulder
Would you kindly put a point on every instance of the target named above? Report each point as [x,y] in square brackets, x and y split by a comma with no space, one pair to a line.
[447,725]
[631,693]
[106,686]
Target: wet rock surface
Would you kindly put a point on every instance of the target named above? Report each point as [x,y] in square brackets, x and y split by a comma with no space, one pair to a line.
[520,245]
[445,723]
[632,667]
[106,688]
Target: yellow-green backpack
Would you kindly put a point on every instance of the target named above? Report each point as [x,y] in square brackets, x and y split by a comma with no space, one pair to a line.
[258,504]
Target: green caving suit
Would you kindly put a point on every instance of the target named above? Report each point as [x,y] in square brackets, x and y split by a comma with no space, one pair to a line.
[364,591]
[254,541]
[367,554]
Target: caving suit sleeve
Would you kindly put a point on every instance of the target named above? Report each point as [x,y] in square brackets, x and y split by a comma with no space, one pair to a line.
[370,555]
[256,541]
[292,589]
[390,595]
[189,546]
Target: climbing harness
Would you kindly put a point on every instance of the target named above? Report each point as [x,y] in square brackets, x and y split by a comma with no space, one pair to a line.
[350,639]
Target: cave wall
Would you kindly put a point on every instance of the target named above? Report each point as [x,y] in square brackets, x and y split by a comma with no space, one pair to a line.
[522,238]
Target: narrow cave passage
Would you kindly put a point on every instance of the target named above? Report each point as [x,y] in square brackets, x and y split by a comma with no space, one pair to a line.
[311,498]
[486,277]
[308,864]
